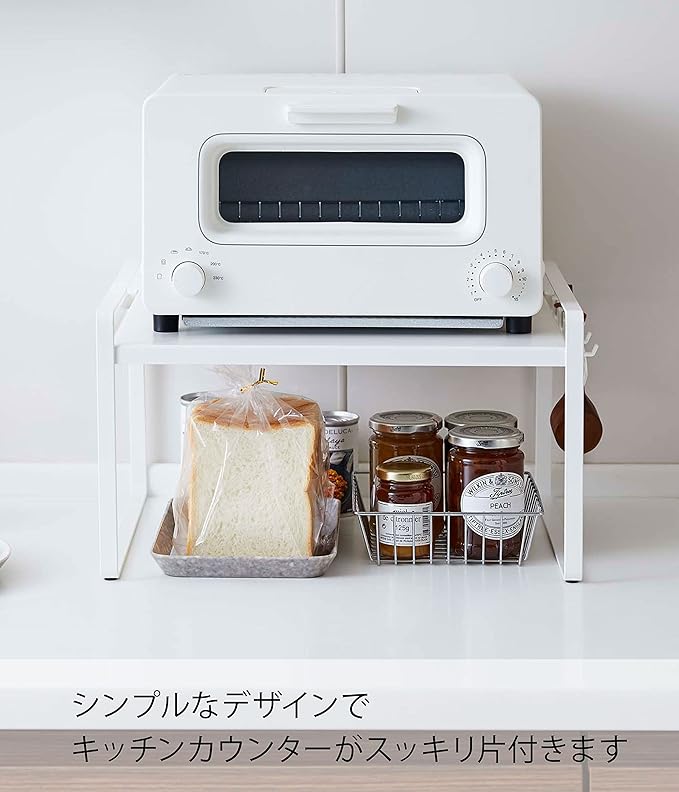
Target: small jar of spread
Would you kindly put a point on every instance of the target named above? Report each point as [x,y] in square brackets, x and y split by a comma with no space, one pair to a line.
[403,495]
[409,436]
[485,479]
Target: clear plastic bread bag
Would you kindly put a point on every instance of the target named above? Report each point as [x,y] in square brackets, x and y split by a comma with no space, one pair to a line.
[253,478]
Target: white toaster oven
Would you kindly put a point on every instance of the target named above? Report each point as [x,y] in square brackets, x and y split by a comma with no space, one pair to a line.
[342,200]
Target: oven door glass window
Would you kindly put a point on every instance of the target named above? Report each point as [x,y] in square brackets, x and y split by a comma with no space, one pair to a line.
[341,187]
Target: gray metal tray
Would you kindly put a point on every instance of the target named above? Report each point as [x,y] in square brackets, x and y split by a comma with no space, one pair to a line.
[244,566]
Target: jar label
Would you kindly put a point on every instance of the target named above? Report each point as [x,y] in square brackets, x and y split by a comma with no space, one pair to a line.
[436,477]
[490,496]
[404,522]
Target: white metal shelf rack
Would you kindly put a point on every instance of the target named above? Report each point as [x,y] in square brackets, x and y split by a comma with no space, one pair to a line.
[125,338]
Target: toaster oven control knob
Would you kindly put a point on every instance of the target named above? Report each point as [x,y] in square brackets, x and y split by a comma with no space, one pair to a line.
[188,278]
[496,279]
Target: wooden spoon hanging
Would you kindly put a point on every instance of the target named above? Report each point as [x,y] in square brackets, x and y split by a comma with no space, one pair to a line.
[593,427]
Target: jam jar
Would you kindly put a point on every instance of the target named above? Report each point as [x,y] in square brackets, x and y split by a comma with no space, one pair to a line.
[460,418]
[485,475]
[404,493]
[409,436]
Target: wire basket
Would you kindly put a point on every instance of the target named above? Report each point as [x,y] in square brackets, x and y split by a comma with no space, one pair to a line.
[466,537]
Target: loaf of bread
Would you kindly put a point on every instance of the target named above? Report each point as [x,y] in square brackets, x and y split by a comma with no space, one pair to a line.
[254,480]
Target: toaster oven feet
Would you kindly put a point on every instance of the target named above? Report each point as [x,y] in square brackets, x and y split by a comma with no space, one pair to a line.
[519,324]
[165,323]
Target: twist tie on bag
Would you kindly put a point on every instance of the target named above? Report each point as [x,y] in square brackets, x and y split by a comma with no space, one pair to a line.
[259,381]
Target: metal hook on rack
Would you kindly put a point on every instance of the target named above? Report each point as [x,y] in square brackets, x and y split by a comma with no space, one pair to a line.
[588,353]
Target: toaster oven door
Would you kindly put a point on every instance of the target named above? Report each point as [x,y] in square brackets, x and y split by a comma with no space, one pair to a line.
[342,190]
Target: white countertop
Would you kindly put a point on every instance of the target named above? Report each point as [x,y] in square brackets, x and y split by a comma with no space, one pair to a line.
[394,621]
[626,608]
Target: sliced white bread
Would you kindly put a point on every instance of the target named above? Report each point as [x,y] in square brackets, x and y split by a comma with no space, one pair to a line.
[254,482]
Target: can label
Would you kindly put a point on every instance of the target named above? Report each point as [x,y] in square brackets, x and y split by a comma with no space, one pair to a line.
[341,442]
[491,496]
[404,525]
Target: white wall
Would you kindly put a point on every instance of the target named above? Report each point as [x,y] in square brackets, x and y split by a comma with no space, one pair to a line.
[606,73]
[73,75]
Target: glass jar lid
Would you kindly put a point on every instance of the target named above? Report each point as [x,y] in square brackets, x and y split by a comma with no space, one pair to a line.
[404,472]
[480,418]
[405,422]
[485,437]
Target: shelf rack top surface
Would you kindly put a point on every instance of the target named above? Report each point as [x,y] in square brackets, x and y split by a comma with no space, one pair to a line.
[137,343]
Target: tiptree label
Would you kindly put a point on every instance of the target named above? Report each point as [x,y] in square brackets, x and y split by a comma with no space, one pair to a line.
[489,498]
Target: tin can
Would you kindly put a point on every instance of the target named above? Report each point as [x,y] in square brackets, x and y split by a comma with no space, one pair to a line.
[185,402]
[341,430]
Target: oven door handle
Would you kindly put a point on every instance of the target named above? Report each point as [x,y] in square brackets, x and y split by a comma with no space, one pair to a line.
[342,114]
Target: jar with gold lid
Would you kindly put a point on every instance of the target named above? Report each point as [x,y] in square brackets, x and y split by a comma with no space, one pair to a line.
[404,494]
[485,479]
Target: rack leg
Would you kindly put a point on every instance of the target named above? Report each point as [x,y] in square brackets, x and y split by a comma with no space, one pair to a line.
[544,396]
[138,457]
[137,407]
[112,558]
[574,452]
[107,449]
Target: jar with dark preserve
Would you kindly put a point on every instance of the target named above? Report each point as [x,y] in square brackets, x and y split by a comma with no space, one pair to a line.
[409,436]
[455,420]
[485,477]
[403,495]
